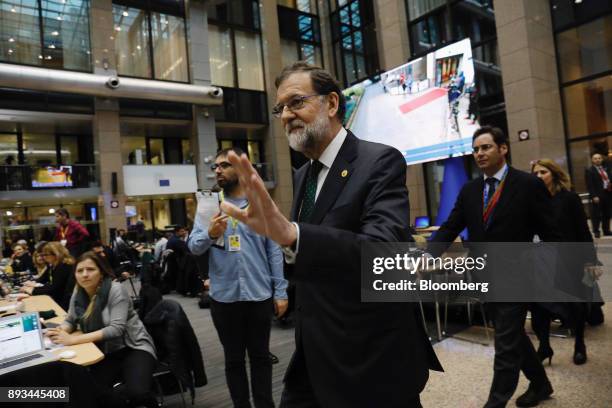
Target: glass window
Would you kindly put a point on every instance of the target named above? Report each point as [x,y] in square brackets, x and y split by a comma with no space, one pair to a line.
[307,6]
[39,149]
[66,34]
[311,54]
[187,153]
[64,42]
[161,213]
[427,33]
[221,56]
[131,41]
[69,149]
[249,61]
[585,50]
[289,52]
[156,149]
[588,107]
[133,150]
[566,13]
[417,8]
[169,47]
[8,149]
[20,32]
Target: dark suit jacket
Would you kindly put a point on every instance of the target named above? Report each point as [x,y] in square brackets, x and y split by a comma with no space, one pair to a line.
[594,181]
[356,354]
[524,209]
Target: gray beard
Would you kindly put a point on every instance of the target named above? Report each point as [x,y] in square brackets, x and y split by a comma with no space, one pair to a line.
[306,138]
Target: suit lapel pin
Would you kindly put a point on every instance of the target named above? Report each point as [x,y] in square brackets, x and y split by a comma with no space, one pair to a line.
[344,173]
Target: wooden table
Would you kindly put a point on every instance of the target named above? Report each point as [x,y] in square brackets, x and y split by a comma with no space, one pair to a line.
[86,353]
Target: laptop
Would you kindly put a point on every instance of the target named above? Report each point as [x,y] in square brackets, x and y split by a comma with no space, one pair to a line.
[21,343]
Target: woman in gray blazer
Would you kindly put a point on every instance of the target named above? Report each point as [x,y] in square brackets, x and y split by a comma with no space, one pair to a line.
[103,312]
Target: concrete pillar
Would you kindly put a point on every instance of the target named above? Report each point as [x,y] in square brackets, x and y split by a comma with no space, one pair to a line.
[531,87]
[107,152]
[276,145]
[106,125]
[392,33]
[203,139]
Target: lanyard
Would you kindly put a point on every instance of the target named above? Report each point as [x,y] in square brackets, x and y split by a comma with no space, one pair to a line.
[490,204]
[234,222]
[64,232]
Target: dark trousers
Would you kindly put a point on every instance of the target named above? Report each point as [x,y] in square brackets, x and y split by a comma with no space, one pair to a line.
[245,326]
[134,368]
[600,213]
[298,392]
[513,353]
[541,318]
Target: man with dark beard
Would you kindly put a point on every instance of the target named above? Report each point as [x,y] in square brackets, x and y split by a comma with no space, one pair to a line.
[246,284]
[348,353]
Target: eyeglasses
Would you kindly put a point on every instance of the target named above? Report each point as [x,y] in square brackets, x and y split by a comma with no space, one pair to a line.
[295,103]
[223,165]
[483,147]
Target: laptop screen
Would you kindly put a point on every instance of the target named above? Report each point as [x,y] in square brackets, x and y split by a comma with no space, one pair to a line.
[19,335]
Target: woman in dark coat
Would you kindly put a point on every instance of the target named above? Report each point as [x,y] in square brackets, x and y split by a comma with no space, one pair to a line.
[58,282]
[572,223]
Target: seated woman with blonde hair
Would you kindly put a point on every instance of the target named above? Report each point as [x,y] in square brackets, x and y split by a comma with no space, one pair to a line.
[102,310]
[58,282]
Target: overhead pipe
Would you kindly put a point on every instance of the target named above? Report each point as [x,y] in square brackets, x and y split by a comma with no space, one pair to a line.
[55,80]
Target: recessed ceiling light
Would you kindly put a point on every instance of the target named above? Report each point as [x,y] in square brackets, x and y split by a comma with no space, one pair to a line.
[9,213]
[125,14]
[577,1]
[52,46]
[51,210]
[55,33]
[11,39]
[10,51]
[13,10]
[18,202]
[59,18]
[48,57]
[40,57]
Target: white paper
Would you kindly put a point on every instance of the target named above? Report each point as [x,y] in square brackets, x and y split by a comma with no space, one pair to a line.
[208,207]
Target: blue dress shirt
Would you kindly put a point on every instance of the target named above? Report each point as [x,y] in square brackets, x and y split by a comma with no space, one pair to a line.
[254,273]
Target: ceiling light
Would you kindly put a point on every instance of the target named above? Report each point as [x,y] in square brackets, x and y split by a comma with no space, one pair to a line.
[51,210]
[10,51]
[52,46]
[138,47]
[48,57]
[117,28]
[125,14]
[59,18]
[11,39]
[9,213]
[40,57]
[55,33]
[18,203]
[13,9]
[577,1]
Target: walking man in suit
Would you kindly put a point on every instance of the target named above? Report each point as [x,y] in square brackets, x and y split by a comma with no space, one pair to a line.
[600,190]
[505,205]
[348,353]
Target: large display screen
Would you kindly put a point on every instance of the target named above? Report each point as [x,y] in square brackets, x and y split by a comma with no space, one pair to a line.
[425,108]
[45,177]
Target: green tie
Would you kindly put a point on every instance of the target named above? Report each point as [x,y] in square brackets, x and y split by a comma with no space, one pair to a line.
[310,192]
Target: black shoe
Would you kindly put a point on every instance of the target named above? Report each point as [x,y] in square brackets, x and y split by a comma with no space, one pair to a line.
[580,355]
[545,352]
[273,359]
[533,396]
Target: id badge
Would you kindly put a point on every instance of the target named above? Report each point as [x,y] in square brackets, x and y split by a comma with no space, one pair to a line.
[234,243]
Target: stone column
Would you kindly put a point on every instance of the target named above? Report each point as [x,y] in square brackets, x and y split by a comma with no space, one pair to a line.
[392,33]
[276,145]
[106,124]
[531,86]
[203,140]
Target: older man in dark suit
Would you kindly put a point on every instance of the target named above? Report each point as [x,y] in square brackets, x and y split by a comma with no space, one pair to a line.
[505,205]
[600,191]
[348,353]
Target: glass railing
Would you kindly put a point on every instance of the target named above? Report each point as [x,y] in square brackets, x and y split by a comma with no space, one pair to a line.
[26,177]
